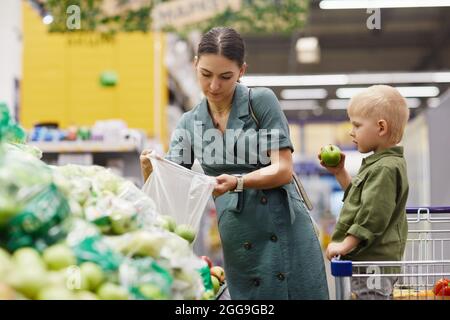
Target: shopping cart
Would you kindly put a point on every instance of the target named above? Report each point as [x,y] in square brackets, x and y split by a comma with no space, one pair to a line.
[426,260]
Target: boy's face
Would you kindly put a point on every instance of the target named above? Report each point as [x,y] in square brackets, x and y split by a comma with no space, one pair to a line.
[365,133]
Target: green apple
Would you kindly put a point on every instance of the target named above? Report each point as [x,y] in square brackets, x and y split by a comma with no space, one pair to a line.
[167,222]
[56,278]
[144,243]
[186,232]
[92,274]
[59,256]
[111,291]
[208,295]
[55,293]
[6,264]
[216,284]
[330,155]
[85,295]
[152,292]
[28,257]
[218,272]
[28,280]
[122,223]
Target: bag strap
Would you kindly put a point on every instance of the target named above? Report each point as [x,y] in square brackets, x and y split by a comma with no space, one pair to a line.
[298,185]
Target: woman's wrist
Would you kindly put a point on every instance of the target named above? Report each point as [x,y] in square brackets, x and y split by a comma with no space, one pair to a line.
[234,185]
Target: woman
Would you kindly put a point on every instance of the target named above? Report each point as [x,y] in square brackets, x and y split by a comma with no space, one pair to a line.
[270,248]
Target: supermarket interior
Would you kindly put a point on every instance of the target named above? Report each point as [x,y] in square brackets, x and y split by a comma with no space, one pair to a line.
[86,86]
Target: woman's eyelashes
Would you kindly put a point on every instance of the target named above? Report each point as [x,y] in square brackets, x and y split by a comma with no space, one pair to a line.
[206,75]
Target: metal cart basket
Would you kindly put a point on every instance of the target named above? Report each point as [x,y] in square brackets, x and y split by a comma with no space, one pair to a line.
[426,260]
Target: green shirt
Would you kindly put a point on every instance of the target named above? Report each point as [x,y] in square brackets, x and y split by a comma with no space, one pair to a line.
[374,208]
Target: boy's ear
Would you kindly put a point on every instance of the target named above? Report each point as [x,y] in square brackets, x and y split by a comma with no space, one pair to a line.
[382,127]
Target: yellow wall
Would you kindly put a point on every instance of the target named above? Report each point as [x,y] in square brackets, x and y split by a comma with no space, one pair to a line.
[61,78]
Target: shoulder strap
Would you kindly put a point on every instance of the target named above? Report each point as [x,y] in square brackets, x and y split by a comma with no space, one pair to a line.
[252,112]
[298,185]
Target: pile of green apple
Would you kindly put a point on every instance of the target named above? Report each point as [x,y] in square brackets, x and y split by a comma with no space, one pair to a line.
[54,275]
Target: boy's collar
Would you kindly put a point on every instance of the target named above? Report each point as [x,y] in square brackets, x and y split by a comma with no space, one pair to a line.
[396,151]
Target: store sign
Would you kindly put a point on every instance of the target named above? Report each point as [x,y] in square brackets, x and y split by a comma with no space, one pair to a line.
[180,13]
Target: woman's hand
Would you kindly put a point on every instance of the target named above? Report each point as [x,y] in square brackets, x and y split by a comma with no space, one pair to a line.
[225,183]
[334,170]
[146,164]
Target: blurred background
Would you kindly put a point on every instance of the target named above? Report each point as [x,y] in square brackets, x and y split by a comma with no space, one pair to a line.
[95,82]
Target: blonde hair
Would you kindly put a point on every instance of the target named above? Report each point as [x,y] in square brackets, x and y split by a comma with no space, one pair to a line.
[382,102]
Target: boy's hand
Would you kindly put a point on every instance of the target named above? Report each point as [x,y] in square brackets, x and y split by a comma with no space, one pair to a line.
[335,249]
[334,170]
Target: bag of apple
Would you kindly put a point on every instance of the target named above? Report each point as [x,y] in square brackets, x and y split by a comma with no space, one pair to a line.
[181,213]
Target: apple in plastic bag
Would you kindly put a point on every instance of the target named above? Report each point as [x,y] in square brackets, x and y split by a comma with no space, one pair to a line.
[92,274]
[186,232]
[143,243]
[218,272]
[330,155]
[28,280]
[59,256]
[111,291]
[167,222]
[152,292]
[26,257]
[55,293]
[216,284]
[122,223]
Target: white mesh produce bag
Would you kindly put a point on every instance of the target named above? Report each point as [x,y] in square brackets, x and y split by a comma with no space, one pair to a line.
[178,192]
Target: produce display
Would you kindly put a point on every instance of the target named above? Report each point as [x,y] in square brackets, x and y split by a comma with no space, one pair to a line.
[82,232]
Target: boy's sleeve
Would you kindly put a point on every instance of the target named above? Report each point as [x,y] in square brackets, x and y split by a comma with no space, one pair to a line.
[378,201]
[180,149]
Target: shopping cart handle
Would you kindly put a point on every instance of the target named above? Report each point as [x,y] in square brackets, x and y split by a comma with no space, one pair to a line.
[341,268]
[428,209]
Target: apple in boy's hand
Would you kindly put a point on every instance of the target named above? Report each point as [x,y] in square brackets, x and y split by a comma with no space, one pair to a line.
[330,155]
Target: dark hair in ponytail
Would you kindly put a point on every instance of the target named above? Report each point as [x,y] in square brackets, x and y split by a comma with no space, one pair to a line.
[224,41]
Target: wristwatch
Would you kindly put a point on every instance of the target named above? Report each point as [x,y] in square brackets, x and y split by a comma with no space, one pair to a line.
[240,183]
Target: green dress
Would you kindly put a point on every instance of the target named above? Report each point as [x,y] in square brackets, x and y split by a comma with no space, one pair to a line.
[270,248]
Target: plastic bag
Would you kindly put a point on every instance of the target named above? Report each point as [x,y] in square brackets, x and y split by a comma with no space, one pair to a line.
[178,192]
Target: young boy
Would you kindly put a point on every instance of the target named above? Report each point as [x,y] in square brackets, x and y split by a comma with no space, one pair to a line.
[372,225]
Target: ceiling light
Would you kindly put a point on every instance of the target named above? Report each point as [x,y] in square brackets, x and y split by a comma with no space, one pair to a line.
[337,104]
[298,105]
[290,94]
[413,103]
[287,81]
[431,91]
[345,79]
[433,102]
[308,50]
[365,4]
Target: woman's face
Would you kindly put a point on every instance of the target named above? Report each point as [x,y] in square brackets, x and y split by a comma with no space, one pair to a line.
[217,76]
